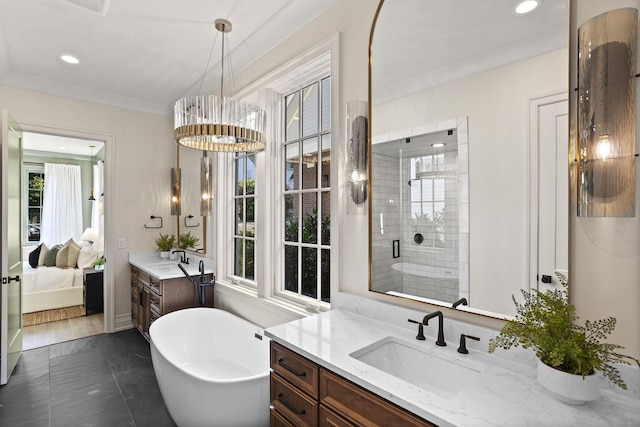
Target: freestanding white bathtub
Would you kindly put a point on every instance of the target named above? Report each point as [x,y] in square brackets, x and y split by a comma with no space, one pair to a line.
[211,368]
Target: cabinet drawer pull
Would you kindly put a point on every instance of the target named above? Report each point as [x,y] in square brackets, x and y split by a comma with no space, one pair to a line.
[290,406]
[290,369]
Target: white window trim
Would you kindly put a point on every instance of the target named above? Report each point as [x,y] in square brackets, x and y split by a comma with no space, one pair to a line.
[269,199]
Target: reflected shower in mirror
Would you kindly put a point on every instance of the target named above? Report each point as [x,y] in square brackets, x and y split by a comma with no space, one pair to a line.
[420,214]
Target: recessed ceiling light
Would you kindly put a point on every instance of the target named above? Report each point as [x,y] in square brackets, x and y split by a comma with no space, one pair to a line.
[70,59]
[438,144]
[526,6]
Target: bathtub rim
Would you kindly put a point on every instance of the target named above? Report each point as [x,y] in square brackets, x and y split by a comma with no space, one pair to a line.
[180,367]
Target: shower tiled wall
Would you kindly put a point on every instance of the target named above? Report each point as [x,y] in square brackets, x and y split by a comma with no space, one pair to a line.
[386,224]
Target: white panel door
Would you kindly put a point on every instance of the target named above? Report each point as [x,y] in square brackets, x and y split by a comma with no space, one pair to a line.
[11,247]
[549,191]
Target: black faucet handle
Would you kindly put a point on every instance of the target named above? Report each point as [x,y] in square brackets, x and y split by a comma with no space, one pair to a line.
[420,335]
[463,343]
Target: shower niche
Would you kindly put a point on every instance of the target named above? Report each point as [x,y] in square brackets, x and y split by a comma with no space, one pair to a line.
[420,213]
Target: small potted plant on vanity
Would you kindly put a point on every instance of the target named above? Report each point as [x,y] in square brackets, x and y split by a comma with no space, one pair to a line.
[165,243]
[569,355]
[187,241]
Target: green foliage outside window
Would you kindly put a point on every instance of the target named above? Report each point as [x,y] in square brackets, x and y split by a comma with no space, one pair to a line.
[309,257]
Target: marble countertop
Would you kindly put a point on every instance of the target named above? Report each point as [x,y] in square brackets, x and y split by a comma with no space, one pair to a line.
[163,268]
[506,393]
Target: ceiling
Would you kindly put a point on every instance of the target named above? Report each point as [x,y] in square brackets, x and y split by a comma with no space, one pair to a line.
[139,54]
[146,54]
[60,144]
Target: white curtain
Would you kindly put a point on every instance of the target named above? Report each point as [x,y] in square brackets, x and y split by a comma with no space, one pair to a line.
[97,206]
[62,204]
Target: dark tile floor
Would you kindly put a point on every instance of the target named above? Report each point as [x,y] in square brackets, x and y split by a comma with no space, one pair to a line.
[105,380]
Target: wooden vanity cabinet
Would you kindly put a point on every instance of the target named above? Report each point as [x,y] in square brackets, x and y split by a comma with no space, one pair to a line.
[152,298]
[305,394]
[140,301]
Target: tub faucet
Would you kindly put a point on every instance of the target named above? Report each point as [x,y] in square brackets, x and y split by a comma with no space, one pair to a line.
[440,341]
[183,257]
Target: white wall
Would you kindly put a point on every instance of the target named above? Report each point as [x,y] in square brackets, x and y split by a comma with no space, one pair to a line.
[141,153]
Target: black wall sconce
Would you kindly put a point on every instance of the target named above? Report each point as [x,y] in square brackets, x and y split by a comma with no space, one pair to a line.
[606,114]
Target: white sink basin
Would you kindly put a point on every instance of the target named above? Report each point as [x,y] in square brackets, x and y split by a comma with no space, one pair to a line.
[163,264]
[421,364]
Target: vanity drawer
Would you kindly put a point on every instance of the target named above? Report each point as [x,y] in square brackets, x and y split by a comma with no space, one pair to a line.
[362,407]
[296,369]
[328,418]
[154,285]
[278,420]
[154,314]
[292,403]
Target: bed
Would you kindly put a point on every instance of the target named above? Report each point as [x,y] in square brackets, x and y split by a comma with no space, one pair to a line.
[49,288]
[56,285]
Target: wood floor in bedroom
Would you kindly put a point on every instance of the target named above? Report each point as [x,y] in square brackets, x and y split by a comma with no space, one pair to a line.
[63,330]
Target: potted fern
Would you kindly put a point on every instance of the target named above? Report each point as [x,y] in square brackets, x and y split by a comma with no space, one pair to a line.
[187,241]
[165,243]
[568,354]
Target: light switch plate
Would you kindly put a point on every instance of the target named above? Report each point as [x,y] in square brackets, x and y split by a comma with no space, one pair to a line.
[122,243]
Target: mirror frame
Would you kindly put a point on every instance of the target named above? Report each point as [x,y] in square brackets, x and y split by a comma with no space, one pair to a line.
[180,217]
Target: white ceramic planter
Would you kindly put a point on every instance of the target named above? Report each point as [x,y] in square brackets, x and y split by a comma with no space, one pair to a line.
[568,388]
[165,254]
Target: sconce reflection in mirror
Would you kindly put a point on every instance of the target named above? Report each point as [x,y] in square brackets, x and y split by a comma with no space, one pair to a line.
[205,185]
[606,114]
[357,156]
[175,191]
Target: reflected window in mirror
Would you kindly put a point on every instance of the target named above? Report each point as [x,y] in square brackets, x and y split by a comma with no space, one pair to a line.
[244,233]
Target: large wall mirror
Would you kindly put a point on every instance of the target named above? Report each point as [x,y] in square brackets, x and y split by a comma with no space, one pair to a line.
[468,150]
[191,219]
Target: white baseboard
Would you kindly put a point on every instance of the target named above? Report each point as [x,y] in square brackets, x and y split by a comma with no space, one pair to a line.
[122,322]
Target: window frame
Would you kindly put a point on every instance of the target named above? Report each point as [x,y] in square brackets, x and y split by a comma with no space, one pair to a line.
[243,197]
[267,92]
[319,190]
[28,168]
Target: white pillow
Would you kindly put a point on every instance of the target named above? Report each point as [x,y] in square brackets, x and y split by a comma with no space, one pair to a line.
[87,255]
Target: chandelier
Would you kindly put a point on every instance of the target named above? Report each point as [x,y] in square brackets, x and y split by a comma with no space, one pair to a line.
[216,122]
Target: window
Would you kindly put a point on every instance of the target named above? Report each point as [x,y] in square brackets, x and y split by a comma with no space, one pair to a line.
[428,198]
[306,185]
[34,188]
[244,216]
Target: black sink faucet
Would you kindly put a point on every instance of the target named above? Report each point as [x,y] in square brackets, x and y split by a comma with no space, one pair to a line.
[440,341]
[183,257]
[463,343]
[420,335]
[462,301]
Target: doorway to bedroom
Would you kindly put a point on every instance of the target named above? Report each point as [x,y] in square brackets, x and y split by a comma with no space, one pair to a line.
[63,238]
